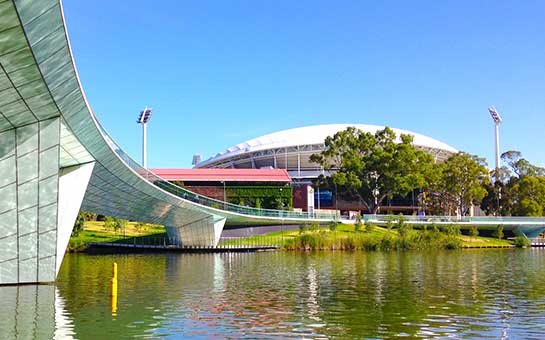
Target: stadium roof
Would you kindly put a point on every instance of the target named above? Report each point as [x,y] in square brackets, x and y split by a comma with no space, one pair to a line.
[315,134]
[227,175]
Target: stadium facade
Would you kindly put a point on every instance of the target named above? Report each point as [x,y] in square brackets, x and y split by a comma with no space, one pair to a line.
[291,150]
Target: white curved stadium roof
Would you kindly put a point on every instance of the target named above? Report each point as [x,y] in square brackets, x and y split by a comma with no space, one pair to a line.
[315,134]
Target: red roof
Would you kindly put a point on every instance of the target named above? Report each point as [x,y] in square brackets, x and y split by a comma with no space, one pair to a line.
[228,175]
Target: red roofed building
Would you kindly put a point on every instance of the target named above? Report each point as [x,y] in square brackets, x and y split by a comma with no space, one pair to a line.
[264,188]
[225,175]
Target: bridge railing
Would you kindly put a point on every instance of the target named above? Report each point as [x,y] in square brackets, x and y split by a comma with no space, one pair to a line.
[453,219]
[204,200]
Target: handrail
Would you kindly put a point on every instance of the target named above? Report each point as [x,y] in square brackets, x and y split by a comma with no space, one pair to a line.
[201,199]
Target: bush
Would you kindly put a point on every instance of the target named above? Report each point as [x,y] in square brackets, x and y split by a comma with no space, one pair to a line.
[402,227]
[369,227]
[333,226]
[452,242]
[521,242]
[358,225]
[302,228]
[474,231]
[498,232]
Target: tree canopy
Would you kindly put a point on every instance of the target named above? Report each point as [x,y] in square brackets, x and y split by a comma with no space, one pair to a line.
[371,167]
[457,184]
[519,189]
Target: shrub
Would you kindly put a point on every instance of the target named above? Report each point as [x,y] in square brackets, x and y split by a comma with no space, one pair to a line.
[314,226]
[402,227]
[452,230]
[521,242]
[452,242]
[498,232]
[302,228]
[369,227]
[474,231]
[390,222]
[358,225]
[333,226]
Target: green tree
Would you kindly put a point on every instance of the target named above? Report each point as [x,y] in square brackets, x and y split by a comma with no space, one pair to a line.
[458,184]
[79,224]
[371,167]
[520,190]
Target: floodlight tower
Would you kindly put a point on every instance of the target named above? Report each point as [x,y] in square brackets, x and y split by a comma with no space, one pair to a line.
[497,120]
[143,119]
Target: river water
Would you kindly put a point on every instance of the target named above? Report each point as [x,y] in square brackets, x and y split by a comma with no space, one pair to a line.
[431,294]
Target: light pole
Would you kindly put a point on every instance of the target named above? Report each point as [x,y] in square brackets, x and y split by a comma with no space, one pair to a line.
[143,119]
[497,121]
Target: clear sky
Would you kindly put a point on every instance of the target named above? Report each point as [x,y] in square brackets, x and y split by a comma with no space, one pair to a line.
[218,73]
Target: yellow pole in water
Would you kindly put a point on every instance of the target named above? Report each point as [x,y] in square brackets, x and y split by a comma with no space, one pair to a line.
[114,289]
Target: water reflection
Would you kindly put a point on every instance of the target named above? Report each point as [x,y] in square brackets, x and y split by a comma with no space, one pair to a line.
[34,312]
[481,293]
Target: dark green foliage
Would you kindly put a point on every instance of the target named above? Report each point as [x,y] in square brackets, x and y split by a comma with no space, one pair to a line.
[372,167]
[333,226]
[266,197]
[521,242]
[78,226]
[519,188]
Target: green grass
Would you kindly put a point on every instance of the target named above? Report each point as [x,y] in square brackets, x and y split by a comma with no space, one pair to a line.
[346,238]
[94,231]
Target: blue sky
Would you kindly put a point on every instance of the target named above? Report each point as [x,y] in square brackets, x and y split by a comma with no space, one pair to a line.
[218,73]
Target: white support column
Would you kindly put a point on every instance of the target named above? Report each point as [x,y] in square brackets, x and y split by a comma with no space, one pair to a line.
[73,183]
[204,232]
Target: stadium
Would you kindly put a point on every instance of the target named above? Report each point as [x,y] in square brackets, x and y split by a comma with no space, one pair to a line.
[291,150]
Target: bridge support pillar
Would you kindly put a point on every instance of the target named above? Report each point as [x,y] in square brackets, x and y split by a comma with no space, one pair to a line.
[39,202]
[203,232]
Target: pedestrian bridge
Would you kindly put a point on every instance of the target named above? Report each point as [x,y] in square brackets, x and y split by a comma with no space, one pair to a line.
[56,158]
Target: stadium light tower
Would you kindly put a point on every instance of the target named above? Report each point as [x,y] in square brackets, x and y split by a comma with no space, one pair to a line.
[143,119]
[497,120]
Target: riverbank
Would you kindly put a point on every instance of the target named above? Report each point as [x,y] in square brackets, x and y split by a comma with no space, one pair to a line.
[341,237]
[348,237]
[96,231]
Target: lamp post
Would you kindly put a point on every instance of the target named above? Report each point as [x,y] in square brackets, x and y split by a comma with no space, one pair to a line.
[143,119]
[497,121]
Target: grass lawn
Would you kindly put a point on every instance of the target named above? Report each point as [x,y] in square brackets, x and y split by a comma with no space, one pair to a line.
[94,231]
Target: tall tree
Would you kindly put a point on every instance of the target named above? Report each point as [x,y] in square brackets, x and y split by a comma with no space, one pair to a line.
[371,167]
[519,190]
[460,183]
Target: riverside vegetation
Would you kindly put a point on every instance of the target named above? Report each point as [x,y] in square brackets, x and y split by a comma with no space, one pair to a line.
[372,238]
